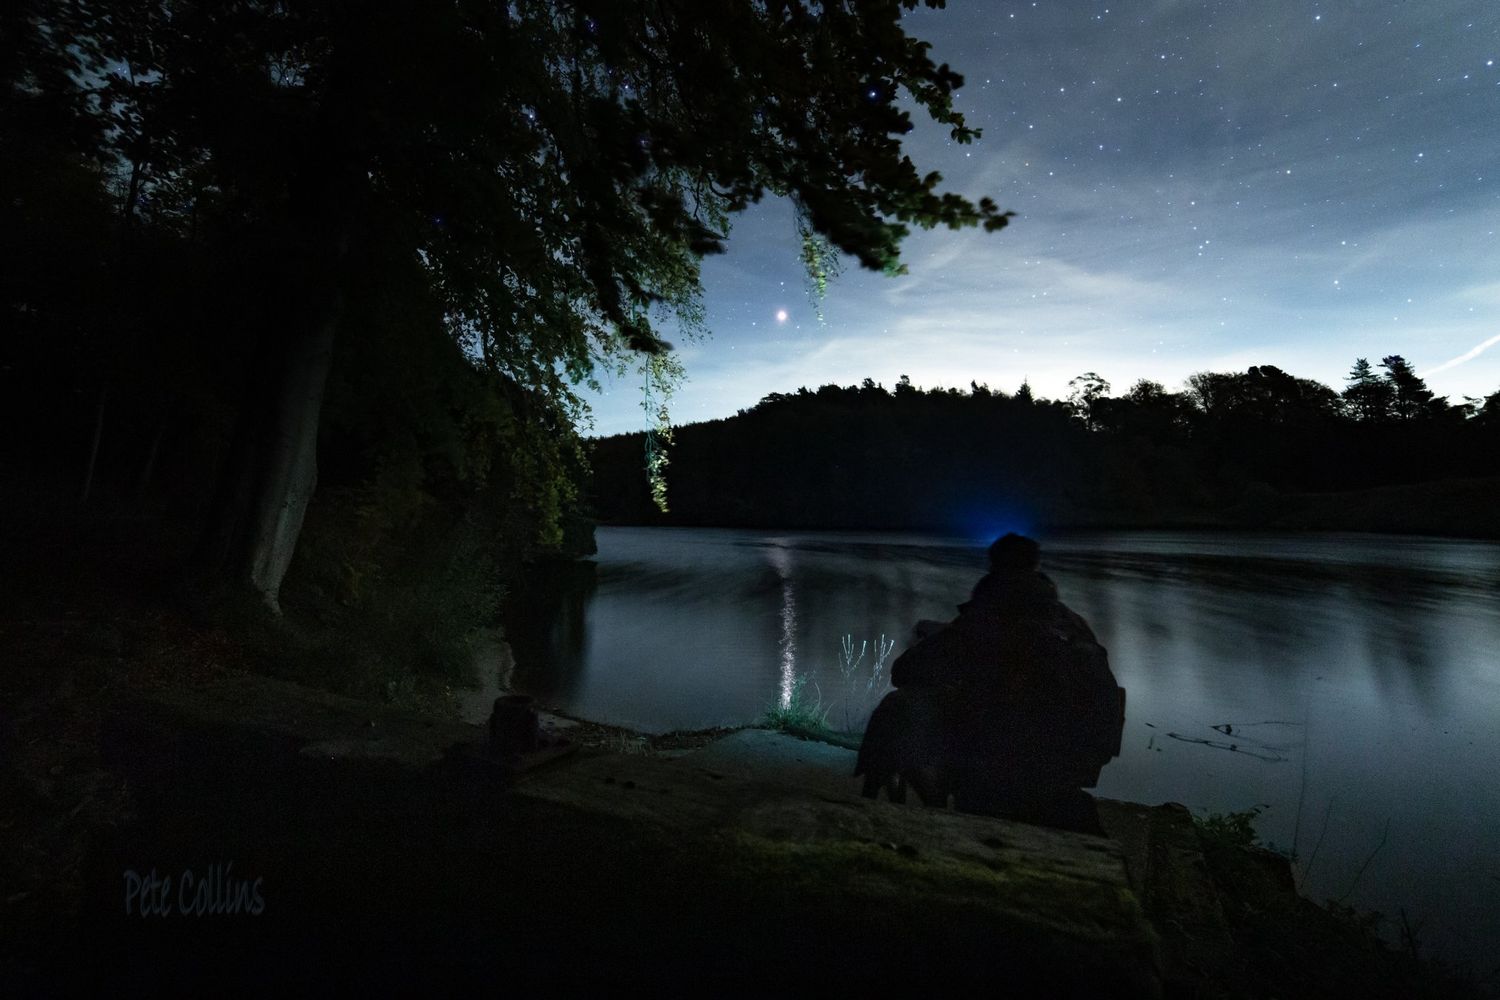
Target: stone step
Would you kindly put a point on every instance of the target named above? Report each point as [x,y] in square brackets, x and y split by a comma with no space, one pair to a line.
[1168,873]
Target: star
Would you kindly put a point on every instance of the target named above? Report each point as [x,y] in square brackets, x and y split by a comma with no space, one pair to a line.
[1387,139]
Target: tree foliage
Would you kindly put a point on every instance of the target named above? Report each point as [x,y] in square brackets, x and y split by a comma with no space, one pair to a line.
[194,188]
[559,167]
[1367,396]
[864,457]
[1084,392]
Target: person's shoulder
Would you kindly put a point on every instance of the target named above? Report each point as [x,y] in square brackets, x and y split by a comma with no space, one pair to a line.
[1044,585]
[1033,590]
[992,581]
[1009,584]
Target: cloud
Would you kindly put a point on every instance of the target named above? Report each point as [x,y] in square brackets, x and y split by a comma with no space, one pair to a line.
[1463,358]
[1159,231]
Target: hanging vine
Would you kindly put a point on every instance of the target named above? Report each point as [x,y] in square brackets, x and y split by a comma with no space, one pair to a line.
[663,374]
[820,261]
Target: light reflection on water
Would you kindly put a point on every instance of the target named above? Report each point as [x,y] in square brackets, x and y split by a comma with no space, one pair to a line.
[779,554]
[1358,676]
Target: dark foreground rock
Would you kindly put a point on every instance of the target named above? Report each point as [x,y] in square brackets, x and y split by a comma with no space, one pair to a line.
[316,843]
[374,870]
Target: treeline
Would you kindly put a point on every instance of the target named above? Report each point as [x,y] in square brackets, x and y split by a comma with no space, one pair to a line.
[1218,451]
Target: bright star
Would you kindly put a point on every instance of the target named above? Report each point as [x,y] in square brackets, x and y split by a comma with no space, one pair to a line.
[781,315]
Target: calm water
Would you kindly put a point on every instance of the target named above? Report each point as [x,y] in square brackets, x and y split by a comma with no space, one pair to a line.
[1358,677]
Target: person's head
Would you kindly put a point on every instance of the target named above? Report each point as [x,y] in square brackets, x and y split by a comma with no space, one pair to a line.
[1015,552]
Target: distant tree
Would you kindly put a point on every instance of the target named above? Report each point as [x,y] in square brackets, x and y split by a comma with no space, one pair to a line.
[1084,392]
[1317,398]
[1266,393]
[1280,397]
[1146,410]
[872,393]
[1023,394]
[1410,397]
[1489,412]
[1154,453]
[1211,392]
[1367,397]
[904,388]
[834,393]
[1146,392]
[979,389]
[1262,393]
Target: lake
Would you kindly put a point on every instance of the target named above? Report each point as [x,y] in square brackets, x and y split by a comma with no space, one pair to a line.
[1350,683]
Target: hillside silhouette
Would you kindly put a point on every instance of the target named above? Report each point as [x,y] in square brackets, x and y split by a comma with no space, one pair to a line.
[1259,447]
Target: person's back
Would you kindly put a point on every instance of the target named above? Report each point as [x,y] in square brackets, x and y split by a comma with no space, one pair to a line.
[984,638]
[1027,707]
[1044,718]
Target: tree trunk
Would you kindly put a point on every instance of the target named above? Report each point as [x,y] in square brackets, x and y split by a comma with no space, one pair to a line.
[290,473]
[271,471]
[273,465]
[88,472]
[144,482]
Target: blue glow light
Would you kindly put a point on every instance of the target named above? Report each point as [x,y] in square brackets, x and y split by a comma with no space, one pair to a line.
[982,524]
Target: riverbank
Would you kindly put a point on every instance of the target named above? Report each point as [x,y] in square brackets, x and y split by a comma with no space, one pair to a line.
[390,848]
[1451,508]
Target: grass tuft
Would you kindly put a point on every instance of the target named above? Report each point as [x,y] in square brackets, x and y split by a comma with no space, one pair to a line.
[799,710]
[1232,829]
[805,716]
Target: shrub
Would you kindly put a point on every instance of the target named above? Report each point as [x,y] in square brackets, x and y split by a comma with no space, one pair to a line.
[799,712]
[1233,829]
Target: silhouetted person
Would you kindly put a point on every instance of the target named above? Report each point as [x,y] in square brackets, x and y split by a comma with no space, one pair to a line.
[1012,708]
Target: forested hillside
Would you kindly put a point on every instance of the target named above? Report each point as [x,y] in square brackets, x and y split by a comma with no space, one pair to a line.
[1225,448]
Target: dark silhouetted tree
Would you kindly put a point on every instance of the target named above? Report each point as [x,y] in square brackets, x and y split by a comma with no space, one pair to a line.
[1084,393]
[1410,397]
[1489,411]
[940,457]
[1211,392]
[1147,410]
[557,167]
[1367,396]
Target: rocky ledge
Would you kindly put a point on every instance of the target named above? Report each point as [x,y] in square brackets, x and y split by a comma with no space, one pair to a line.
[314,841]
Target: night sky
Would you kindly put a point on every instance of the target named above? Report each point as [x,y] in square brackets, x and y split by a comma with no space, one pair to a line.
[1198,186]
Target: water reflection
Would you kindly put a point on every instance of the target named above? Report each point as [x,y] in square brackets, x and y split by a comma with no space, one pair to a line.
[547,626]
[780,558]
[1357,676]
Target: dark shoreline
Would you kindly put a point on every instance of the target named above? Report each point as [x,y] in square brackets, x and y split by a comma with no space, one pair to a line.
[1453,509]
[138,740]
